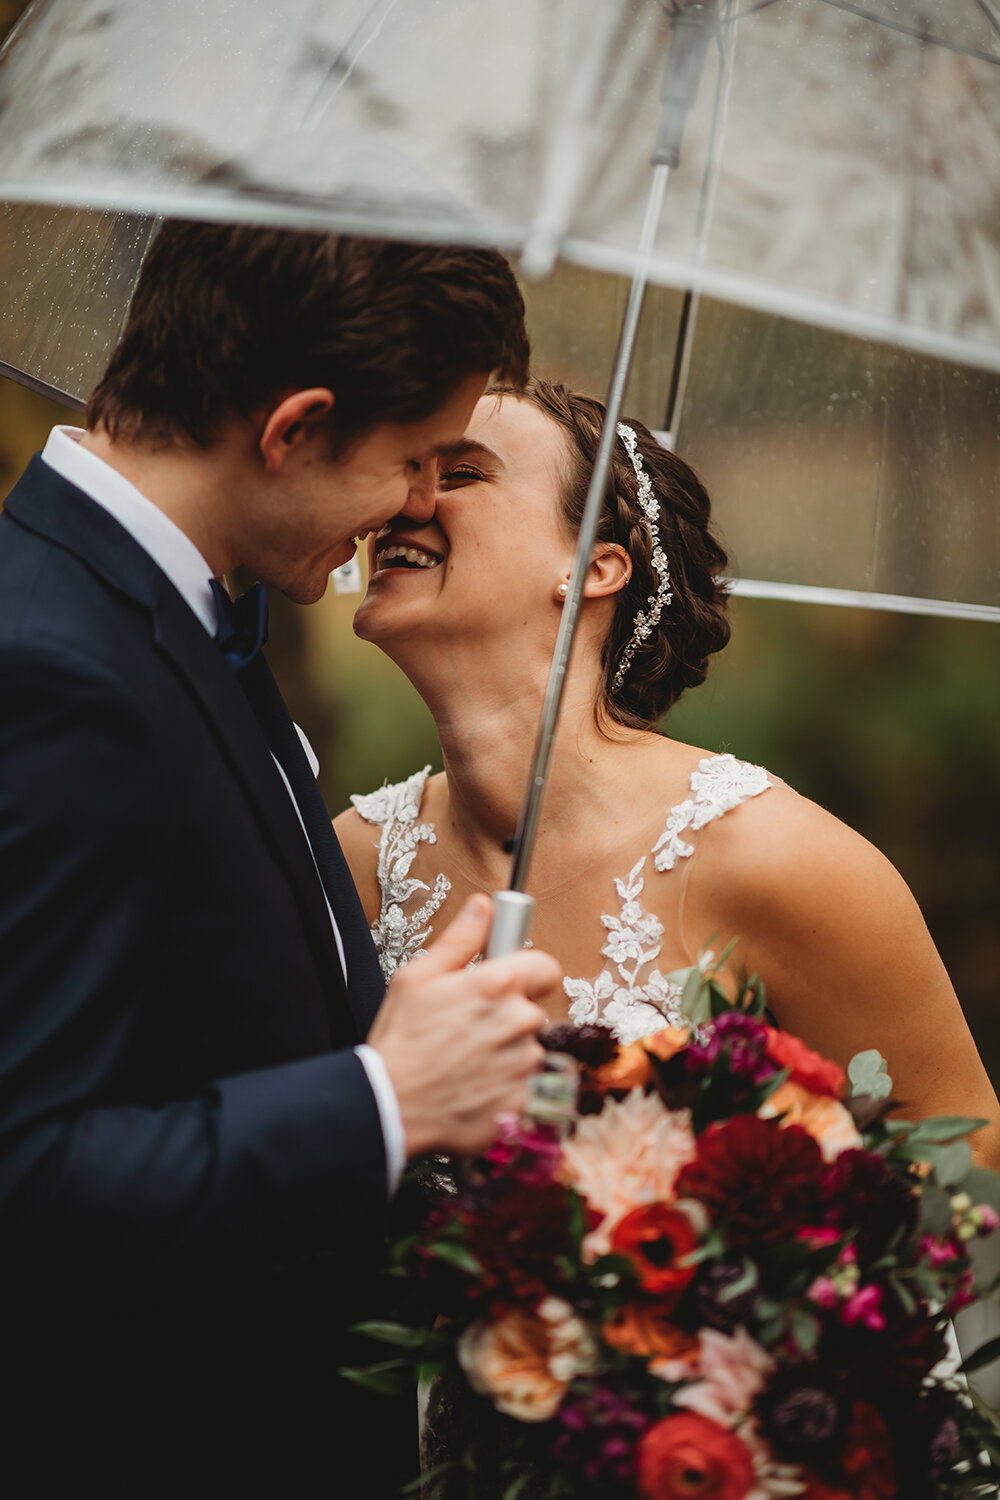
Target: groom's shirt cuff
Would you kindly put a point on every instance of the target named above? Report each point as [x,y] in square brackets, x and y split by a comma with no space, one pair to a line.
[393,1134]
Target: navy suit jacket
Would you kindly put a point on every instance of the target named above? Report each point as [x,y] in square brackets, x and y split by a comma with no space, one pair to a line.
[192,1170]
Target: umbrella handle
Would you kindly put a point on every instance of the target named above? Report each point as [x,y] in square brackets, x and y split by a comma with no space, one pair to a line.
[512,914]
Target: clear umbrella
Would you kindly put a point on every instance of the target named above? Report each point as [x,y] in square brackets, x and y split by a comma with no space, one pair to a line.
[840,164]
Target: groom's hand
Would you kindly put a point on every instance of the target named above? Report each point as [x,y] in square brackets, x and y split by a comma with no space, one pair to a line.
[460,1044]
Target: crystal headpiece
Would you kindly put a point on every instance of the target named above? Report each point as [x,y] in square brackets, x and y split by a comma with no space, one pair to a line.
[648,618]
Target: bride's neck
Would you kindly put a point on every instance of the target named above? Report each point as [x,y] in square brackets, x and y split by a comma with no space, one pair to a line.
[488,734]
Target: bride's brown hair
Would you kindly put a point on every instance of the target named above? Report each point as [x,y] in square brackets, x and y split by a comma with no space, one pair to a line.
[694,624]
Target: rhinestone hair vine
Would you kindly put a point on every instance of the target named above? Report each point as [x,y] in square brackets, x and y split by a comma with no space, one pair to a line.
[647,619]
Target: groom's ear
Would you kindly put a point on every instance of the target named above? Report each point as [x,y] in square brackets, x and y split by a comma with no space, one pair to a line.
[291,421]
[610,570]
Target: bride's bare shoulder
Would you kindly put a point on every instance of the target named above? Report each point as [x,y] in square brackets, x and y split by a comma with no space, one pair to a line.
[778,851]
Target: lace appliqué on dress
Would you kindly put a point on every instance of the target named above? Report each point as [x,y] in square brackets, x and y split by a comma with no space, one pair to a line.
[400,936]
[634,1004]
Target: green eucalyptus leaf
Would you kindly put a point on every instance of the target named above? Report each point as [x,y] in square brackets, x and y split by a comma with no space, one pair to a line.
[744,1283]
[935,1210]
[457,1255]
[906,1298]
[393,1333]
[385,1380]
[516,1490]
[869,1074]
[952,1163]
[695,1000]
[944,1128]
[805,1330]
[983,1186]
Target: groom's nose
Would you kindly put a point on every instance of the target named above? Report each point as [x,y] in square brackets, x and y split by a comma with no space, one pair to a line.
[421,495]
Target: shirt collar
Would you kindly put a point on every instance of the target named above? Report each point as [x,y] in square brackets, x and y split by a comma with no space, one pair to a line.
[166,544]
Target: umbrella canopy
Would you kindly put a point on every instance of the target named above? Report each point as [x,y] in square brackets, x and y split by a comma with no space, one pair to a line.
[840,169]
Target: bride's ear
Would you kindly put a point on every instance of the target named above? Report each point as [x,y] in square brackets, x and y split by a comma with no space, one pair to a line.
[609,572]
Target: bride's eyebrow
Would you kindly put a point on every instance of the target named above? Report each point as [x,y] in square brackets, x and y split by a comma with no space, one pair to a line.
[467,448]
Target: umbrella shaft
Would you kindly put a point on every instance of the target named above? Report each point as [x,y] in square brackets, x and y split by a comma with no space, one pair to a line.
[527,826]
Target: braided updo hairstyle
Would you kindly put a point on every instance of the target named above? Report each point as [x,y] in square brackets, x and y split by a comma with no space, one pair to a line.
[694,624]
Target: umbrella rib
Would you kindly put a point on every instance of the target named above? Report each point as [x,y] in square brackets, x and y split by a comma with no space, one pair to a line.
[986,6]
[916,31]
[42,387]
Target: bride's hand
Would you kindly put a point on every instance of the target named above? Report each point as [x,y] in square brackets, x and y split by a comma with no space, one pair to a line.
[460,1044]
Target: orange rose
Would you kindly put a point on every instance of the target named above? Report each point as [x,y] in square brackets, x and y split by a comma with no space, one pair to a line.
[524,1361]
[629,1070]
[813,1072]
[645,1328]
[826,1120]
[664,1044]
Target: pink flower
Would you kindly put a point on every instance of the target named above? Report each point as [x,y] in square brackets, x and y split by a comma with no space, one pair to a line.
[732,1370]
[817,1238]
[627,1156]
[988,1218]
[964,1293]
[863,1307]
[937,1252]
[823,1292]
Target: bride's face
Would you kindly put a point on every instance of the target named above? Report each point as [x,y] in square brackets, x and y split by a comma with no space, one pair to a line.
[486,566]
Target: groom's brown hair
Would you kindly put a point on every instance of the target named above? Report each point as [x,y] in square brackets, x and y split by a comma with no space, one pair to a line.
[227,319]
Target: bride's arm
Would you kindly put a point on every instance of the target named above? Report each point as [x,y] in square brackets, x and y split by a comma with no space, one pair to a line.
[843,950]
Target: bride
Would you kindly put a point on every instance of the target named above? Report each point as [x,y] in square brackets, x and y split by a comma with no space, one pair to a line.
[649,850]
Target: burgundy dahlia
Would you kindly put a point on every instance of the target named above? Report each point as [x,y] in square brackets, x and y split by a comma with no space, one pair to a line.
[859,1190]
[760,1179]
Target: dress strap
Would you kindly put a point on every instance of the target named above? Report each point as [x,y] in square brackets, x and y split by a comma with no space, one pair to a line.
[401,932]
[720,783]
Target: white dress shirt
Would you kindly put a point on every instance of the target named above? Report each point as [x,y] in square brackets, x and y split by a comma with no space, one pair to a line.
[179,558]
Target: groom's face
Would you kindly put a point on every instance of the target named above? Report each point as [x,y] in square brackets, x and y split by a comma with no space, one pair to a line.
[302,525]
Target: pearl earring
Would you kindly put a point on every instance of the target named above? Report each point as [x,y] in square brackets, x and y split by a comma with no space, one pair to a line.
[562,590]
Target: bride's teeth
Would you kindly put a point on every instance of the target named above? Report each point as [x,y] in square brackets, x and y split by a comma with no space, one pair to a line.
[409,554]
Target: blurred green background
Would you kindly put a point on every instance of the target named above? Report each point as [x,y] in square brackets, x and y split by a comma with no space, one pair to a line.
[834,462]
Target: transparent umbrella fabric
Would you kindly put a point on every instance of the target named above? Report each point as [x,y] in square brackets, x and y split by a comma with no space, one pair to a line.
[840,172]
[836,167]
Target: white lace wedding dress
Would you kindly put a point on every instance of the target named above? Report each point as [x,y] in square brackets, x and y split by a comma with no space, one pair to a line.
[630,993]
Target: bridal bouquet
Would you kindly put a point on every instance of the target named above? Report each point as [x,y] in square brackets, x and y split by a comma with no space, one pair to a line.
[727,1275]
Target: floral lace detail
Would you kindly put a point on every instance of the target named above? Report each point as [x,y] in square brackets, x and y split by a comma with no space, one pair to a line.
[634,1006]
[720,783]
[629,996]
[398,937]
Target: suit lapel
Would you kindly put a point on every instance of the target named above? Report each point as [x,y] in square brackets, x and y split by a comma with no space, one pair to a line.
[51,506]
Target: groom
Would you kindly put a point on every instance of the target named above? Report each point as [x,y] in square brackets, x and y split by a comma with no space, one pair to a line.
[202,1118]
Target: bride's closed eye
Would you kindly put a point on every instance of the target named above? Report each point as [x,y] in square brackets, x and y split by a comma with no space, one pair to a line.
[461,474]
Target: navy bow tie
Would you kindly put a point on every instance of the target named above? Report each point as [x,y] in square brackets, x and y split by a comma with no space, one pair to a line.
[242,628]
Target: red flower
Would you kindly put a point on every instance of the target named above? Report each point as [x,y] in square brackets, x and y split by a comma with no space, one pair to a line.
[758,1177]
[655,1237]
[689,1457]
[817,1074]
[867,1457]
